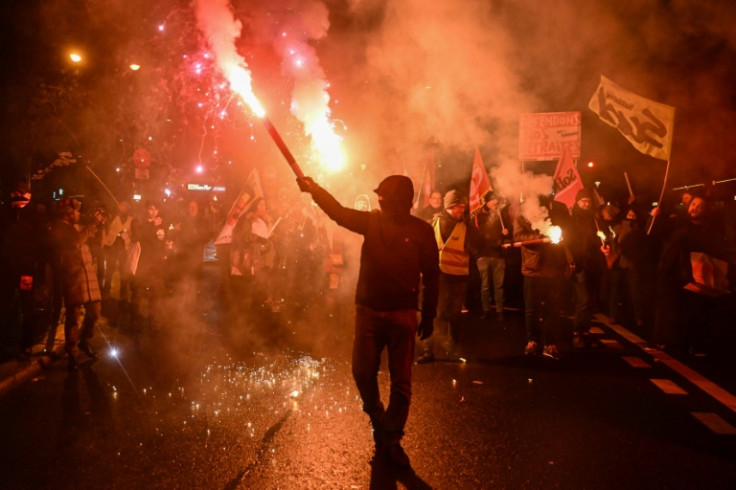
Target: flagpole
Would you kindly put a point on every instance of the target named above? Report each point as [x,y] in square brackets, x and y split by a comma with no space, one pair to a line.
[102,184]
[628,184]
[661,196]
[421,186]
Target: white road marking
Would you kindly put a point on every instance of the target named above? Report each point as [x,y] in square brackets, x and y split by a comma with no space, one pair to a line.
[709,387]
[715,423]
[636,362]
[668,386]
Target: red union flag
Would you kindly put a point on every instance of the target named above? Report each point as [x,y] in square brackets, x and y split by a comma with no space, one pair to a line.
[426,185]
[567,181]
[480,184]
[542,135]
[645,123]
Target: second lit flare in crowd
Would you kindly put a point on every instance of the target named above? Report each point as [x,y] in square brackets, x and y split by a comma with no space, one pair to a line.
[553,234]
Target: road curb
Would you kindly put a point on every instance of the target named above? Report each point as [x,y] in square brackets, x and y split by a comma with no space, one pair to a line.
[29,372]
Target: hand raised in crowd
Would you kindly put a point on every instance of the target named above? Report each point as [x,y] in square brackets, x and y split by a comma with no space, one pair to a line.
[425,328]
[305,184]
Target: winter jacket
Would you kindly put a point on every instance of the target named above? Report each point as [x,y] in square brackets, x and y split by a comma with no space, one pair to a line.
[543,259]
[77,272]
[397,248]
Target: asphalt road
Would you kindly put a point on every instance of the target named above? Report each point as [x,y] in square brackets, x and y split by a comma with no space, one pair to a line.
[267,401]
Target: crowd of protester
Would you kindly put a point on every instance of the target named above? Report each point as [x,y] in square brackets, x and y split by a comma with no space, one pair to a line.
[670,276]
[639,266]
[62,260]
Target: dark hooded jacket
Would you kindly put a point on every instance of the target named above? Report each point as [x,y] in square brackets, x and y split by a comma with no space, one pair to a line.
[397,249]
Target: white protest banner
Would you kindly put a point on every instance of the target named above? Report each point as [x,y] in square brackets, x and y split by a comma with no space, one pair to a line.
[645,123]
[543,135]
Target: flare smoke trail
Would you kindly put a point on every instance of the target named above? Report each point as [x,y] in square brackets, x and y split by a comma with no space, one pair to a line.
[301,23]
[221,29]
[310,99]
[512,183]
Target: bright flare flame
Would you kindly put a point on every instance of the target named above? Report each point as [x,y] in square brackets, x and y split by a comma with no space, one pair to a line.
[555,234]
[327,144]
[114,352]
[602,236]
[240,82]
[75,57]
[135,67]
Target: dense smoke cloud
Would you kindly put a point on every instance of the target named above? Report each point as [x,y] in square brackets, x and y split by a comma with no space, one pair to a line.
[437,71]
[488,61]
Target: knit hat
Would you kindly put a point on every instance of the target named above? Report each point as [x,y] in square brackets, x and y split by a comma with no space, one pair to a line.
[583,194]
[396,188]
[453,198]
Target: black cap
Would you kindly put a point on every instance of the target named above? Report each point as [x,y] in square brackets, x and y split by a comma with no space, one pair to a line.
[396,188]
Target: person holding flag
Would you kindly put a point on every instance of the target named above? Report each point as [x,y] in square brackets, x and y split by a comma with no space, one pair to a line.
[490,260]
[585,247]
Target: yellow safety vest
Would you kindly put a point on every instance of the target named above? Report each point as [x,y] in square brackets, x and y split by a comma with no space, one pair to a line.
[454,259]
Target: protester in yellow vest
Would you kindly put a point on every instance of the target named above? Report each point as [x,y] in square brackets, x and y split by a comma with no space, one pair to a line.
[452,236]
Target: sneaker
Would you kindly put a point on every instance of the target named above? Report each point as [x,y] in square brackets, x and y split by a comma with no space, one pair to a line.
[87,349]
[396,456]
[425,358]
[454,355]
[552,352]
[531,349]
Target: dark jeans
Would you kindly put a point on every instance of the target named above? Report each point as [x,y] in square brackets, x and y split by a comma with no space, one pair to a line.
[583,291]
[625,279]
[374,331]
[492,271]
[452,291]
[17,320]
[543,298]
[115,258]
